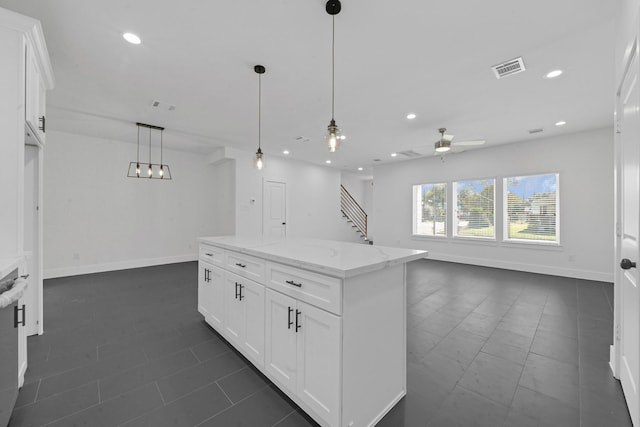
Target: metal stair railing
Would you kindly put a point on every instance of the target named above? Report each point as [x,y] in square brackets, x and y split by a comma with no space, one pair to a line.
[353,212]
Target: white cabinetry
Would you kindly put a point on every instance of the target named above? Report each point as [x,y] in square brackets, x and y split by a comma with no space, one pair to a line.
[244,317]
[325,321]
[211,293]
[303,352]
[25,75]
[35,94]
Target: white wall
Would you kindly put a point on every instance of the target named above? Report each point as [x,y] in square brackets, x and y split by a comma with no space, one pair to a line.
[585,164]
[313,197]
[97,219]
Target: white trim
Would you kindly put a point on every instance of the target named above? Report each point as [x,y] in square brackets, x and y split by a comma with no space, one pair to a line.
[120,265]
[531,268]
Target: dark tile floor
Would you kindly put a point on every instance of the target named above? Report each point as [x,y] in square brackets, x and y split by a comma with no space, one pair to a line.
[486,347]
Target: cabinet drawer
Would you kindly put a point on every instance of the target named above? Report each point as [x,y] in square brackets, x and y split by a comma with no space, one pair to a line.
[246,266]
[316,289]
[212,255]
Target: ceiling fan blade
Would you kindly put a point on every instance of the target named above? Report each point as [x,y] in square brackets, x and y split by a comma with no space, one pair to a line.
[469,143]
[447,137]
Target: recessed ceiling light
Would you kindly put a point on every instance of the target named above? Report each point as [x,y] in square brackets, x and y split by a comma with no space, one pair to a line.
[132,38]
[561,123]
[411,116]
[328,162]
[360,169]
[394,154]
[553,74]
[285,152]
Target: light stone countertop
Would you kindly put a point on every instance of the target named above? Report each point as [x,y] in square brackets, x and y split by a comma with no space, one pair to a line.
[331,257]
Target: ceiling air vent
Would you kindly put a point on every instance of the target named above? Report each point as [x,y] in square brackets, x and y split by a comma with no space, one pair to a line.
[163,106]
[303,139]
[513,66]
[410,153]
[535,130]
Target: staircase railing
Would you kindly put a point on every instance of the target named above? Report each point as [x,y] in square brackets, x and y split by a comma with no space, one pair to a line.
[353,212]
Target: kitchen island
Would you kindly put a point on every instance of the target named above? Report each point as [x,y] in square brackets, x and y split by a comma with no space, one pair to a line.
[324,320]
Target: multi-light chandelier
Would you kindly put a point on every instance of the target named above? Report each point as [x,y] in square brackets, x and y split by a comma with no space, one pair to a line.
[153,170]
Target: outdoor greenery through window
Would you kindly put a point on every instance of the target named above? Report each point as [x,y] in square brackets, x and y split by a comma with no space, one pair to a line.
[475,204]
[532,207]
[430,209]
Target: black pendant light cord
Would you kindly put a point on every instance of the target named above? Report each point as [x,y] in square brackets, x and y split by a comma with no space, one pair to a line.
[259,107]
[333,62]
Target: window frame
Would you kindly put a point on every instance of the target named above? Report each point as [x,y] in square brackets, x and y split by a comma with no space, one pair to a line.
[454,212]
[505,213]
[417,198]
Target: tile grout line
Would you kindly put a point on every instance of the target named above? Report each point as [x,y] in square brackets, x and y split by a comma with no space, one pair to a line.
[225,393]
[284,418]
[238,402]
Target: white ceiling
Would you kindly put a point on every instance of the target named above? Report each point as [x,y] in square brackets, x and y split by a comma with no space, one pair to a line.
[432,58]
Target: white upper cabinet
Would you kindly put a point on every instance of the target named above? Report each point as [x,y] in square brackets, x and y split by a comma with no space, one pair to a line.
[35,96]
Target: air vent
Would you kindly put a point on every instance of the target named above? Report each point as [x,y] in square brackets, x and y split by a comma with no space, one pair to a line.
[410,153]
[377,160]
[513,66]
[536,130]
[163,106]
[303,139]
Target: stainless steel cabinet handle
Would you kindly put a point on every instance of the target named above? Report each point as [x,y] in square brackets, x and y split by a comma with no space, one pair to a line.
[289,321]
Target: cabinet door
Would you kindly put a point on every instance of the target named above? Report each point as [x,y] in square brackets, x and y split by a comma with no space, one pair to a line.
[234,314]
[318,382]
[280,339]
[203,288]
[252,295]
[34,94]
[215,301]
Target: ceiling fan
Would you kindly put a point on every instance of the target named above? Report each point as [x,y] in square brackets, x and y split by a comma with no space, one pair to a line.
[445,143]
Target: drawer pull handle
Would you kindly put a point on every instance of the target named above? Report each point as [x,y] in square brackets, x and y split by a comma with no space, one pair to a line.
[298,325]
[208,254]
[241,265]
[291,282]
[289,321]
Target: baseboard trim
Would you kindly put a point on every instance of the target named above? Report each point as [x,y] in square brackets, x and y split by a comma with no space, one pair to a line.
[530,268]
[53,273]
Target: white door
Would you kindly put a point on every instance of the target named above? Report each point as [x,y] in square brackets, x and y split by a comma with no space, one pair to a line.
[274,222]
[318,383]
[280,339]
[629,212]
[252,295]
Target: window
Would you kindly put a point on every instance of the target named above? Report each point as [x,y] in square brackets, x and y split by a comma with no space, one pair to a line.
[430,209]
[475,205]
[531,204]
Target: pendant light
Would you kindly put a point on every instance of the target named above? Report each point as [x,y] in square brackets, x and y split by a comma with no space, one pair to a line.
[334,137]
[259,69]
[154,170]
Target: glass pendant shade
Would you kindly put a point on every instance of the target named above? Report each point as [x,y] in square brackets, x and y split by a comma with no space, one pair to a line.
[259,162]
[333,136]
